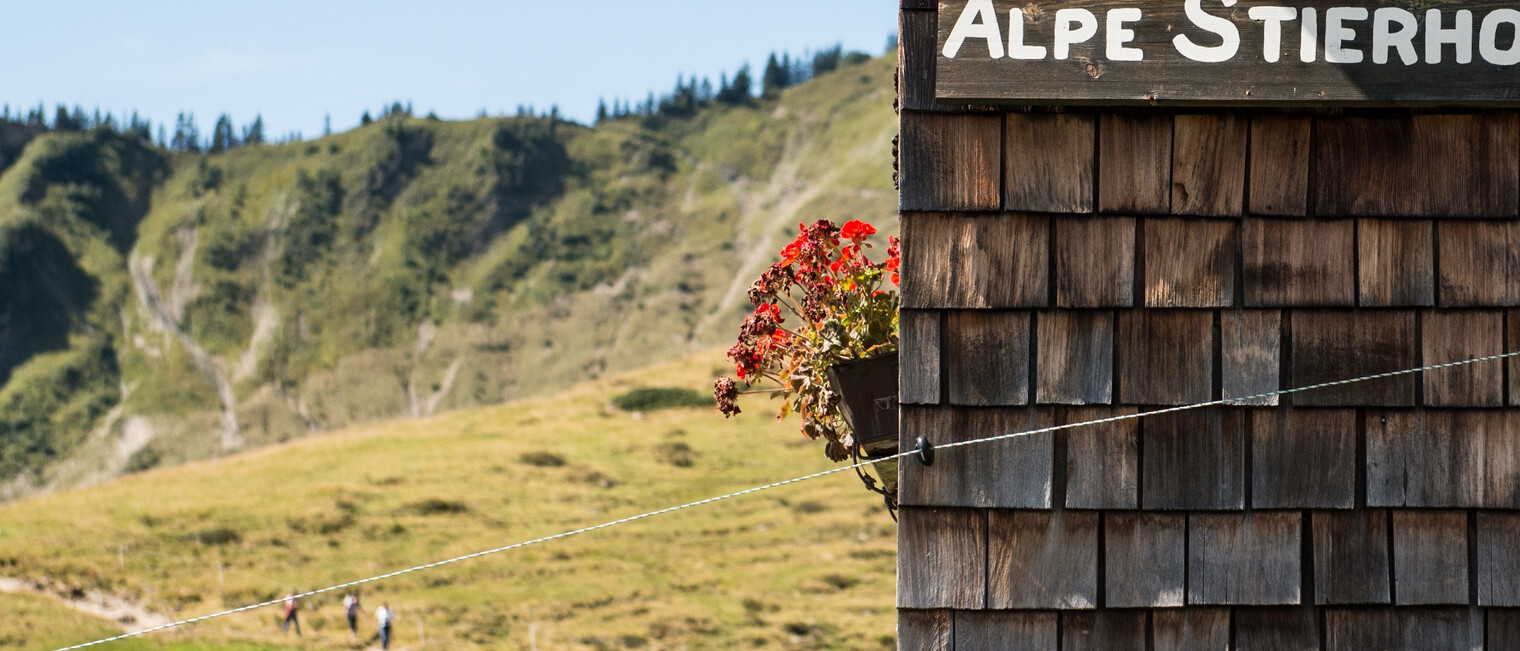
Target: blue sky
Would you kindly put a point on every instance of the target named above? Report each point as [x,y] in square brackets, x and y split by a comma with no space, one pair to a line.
[296,62]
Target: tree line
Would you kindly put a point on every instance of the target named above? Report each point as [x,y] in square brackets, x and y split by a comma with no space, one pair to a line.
[690,94]
[186,136]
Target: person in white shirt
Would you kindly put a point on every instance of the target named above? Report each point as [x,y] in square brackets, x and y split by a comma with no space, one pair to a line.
[384,617]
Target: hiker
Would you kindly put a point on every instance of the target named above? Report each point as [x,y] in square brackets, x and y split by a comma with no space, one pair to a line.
[351,610]
[291,608]
[384,616]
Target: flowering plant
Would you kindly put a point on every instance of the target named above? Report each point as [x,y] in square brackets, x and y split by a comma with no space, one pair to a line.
[844,308]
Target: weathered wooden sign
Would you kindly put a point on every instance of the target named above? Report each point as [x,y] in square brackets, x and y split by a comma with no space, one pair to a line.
[1229,51]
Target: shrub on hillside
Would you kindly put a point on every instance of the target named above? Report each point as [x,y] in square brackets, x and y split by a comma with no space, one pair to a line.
[654,398]
[542,459]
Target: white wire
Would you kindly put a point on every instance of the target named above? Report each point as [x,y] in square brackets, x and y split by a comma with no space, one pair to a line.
[794,480]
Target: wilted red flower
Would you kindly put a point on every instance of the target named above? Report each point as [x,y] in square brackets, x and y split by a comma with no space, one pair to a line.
[726,393]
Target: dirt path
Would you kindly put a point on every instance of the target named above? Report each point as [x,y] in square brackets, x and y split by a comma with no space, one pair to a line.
[152,302]
[131,616]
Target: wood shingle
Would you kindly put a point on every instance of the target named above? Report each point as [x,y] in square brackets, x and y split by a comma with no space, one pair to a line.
[1280,165]
[1209,164]
[1193,459]
[1095,262]
[1164,357]
[1429,557]
[1351,564]
[962,261]
[1134,164]
[946,550]
[1333,345]
[986,357]
[1011,473]
[1303,458]
[1075,357]
[1049,163]
[1190,262]
[950,162]
[1454,336]
[1042,559]
[1298,263]
[1395,262]
[1249,558]
[1146,563]
[1102,461]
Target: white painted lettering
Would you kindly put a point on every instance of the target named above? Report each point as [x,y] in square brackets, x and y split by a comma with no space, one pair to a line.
[1221,27]
[1308,36]
[1073,26]
[1460,37]
[1118,35]
[1272,19]
[1385,38]
[1488,38]
[978,20]
[1016,47]
[1336,34]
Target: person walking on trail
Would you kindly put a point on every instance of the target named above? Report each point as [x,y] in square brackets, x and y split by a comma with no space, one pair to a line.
[351,611]
[385,617]
[291,608]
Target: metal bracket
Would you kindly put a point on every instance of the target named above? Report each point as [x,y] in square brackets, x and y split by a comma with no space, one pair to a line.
[925,451]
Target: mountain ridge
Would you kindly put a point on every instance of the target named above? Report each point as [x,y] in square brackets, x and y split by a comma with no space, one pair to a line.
[190,305]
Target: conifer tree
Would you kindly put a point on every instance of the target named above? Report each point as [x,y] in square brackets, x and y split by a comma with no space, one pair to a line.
[253,134]
[222,135]
[773,79]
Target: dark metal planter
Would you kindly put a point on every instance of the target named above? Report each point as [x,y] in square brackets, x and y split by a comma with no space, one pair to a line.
[867,391]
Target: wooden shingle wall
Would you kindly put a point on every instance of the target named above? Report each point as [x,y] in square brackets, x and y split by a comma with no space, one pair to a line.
[1067,265]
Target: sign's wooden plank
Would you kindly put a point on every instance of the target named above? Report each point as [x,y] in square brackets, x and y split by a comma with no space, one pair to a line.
[1277,629]
[1298,263]
[1134,164]
[1103,630]
[1419,165]
[1102,461]
[1498,570]
[1330,345]
[1249,558]
[1280,165]
[1110,52]
[1144,559]
[1003,631]
[974,261]
[1303,458]
[1012,473]
[1351,557]
[1095,261]
[1479,263]
[1075,357]
[1209,165]
[1429,557]
[1250,348]
[1456,336]
[920,355]
[1042,559]
[1191,628]
[1165,357]
[925,629]
[1395,263]
[950,162]
[941,558]
[987,357]
[1048,162]
[1190,262]
[1193,459]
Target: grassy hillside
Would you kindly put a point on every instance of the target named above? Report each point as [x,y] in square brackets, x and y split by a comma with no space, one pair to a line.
[184,306]
[801,567]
